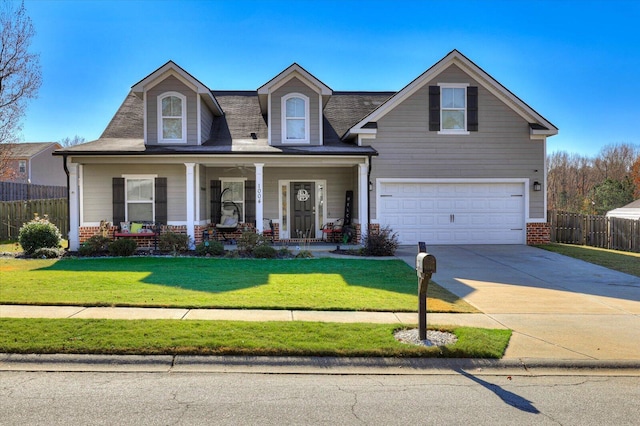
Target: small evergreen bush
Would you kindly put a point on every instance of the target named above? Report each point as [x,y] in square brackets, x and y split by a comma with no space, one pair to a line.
[94,246]
[382,243]
[213,248]
[265,252]
[172,242]
[38,233]
[123,247]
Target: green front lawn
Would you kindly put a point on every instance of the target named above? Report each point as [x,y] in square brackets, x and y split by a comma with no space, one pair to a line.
[316,284]
[173,337]
[622,261]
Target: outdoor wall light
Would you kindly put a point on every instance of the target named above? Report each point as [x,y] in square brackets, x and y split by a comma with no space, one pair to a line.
[537,186]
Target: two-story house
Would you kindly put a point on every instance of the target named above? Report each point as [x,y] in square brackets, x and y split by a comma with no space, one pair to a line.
[31,162]
[452,158]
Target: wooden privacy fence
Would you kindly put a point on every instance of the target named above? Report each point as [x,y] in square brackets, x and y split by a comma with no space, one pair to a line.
[13,214]
[595,231]
[14,191]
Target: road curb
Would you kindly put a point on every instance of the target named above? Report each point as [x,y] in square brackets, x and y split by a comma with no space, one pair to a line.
[312,365]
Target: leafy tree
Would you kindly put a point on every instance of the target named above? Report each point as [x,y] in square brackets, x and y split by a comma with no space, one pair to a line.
[612,194]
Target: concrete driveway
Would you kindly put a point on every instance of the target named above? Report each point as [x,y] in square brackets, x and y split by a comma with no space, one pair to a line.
[557,307]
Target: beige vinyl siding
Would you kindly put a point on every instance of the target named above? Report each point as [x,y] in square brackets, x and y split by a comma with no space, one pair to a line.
[501,148]
[295,86]
[206,119]
[45,169]
[97,188]
[171,84]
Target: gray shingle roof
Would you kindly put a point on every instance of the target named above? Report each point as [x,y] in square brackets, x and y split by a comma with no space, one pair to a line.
[242,129]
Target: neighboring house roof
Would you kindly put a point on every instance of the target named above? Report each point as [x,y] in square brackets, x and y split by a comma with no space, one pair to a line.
[630,211]
[29,149]
[538,124]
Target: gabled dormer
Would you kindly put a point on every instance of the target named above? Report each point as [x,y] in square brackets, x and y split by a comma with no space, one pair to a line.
[178,108]
[293,102]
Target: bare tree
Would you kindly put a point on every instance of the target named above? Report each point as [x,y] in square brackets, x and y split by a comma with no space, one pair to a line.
[20,74]
[76,140]
[574,181]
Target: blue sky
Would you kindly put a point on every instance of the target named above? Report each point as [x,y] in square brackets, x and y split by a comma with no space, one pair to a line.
[575,62]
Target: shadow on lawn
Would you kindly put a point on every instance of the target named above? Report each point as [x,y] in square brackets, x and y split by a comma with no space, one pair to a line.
[225,275]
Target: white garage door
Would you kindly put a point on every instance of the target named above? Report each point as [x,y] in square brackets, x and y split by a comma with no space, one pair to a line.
[454,213]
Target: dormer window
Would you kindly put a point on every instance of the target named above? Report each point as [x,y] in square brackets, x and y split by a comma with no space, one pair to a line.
[172,118]
[295,118]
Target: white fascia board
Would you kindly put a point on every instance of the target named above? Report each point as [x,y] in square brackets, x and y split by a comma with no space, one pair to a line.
[288,74]
[171,69]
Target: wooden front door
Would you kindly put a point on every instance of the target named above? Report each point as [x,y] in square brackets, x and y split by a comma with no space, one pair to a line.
[303,203]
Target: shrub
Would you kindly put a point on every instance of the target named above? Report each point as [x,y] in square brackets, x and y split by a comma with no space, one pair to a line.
[47,253]
[95,245]
[284,253]
[213,248]
[304,254]
[382,243]
[39,233]
[248,241]
[172,242]
[123,247]
[265,252]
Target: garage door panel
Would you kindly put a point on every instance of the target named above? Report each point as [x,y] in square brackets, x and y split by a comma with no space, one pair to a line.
[455,213]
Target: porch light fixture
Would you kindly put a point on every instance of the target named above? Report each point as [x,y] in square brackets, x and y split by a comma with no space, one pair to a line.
[537,186]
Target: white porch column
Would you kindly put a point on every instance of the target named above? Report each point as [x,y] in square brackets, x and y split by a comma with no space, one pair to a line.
[259,193]
[363,197]
[191,194]
[74,207]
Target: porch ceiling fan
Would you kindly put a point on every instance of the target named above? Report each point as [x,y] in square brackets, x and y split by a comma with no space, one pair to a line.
[240,167]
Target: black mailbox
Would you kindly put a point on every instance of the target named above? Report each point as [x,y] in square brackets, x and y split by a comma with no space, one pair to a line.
[425,264]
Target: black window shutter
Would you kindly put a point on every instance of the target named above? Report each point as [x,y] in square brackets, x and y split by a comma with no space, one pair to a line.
[216,187]
[472,108]
[118,200]
[434,108]
[250,201]
[161,201]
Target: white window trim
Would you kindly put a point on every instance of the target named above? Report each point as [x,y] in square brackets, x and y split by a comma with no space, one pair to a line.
[153,194]
[183,98]
[22,166]
[307,121]
[244,192]
[454,131]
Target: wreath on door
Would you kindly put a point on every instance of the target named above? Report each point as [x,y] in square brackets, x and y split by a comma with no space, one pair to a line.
[303,195]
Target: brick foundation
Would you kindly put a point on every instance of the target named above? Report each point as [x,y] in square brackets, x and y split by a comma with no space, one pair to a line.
[538,233]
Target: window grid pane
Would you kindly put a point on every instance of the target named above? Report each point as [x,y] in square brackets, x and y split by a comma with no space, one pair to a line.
[295,108]
[172,128]
[139,190]
[295,129]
